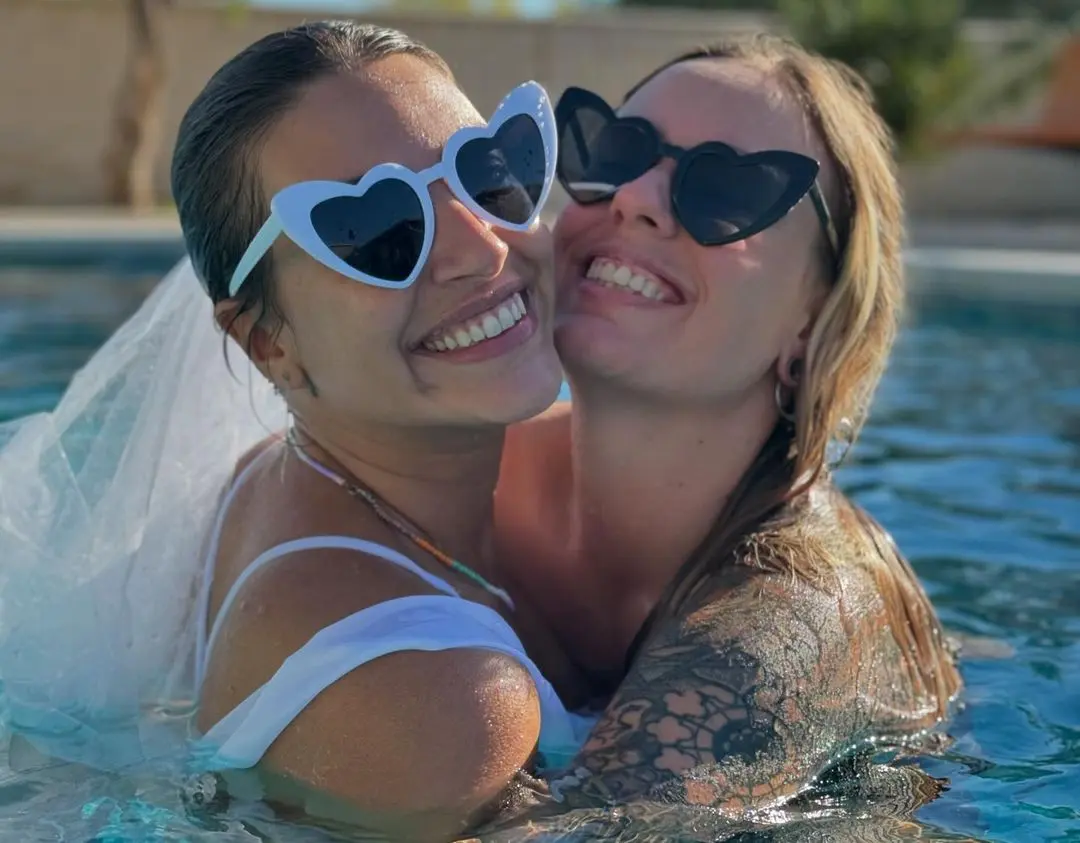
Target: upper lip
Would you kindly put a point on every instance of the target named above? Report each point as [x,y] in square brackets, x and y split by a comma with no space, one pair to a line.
[621,254]
[476,304]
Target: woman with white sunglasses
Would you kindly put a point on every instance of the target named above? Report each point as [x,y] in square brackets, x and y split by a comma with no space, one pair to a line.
[355,632]
[328,592]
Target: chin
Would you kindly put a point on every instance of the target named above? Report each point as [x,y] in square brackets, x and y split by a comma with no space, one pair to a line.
[521,393]
[599,348]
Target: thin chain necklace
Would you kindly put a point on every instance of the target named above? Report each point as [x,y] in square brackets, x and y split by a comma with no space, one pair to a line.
[394,519]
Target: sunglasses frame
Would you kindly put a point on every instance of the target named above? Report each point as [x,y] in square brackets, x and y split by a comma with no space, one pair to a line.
[801,169]
[291,207]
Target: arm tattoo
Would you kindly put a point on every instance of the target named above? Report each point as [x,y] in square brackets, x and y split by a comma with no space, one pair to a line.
[872,802]
[738,706]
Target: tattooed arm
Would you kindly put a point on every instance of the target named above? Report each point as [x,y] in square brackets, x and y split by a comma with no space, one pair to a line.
[738,705]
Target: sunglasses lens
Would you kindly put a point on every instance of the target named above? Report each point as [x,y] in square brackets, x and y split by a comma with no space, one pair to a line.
[719,197]
[597,155]
[380,233]
[505,174]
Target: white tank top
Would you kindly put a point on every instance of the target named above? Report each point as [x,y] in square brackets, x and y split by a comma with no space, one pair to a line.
[426,622]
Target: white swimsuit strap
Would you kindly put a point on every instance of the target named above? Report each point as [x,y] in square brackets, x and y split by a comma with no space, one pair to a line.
[416,623]
[203,606]
[312,543]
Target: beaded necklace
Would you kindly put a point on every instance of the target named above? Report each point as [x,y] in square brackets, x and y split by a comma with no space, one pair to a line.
[394,519]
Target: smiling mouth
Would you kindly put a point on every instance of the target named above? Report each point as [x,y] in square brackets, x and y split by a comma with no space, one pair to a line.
[611,272]
[496,320]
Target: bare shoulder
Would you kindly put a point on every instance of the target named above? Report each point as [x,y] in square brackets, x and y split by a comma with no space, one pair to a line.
[735,705]
[905,653]
[743,699]
[256,450]
[284,604]
[365,738]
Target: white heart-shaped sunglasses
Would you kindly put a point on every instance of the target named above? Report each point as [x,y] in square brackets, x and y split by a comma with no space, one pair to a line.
[380,229]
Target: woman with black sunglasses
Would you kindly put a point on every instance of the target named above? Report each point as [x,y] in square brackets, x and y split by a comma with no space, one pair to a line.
[730,280]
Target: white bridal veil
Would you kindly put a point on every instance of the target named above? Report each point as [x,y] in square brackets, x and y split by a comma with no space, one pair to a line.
[104,506]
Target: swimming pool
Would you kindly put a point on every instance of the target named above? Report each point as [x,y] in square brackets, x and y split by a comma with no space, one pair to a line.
[972,459]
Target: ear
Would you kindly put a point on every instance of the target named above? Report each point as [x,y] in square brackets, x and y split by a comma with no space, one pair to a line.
[789,369]
[789,364]
[260,344]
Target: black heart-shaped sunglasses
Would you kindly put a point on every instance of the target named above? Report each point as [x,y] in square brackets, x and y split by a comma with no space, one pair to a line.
[718,194]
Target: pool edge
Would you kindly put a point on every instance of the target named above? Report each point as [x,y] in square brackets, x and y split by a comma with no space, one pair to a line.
[152,244]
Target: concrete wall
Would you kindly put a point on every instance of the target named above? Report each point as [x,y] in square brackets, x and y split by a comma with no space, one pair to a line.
[60,62]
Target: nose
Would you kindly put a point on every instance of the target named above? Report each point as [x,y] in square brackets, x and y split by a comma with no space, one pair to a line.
[465,246]
[645,202]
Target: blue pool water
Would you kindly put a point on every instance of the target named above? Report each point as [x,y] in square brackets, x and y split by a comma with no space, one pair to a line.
[972,459]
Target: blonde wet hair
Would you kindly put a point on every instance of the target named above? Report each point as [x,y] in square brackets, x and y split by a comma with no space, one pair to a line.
[846,355]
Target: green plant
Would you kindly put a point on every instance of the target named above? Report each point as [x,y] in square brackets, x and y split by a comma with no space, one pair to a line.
[911,52]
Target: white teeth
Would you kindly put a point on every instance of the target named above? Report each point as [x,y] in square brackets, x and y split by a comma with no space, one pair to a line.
[611,274]
[486,326]
[492,326]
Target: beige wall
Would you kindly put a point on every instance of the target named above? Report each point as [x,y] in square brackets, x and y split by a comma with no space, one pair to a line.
[60,62]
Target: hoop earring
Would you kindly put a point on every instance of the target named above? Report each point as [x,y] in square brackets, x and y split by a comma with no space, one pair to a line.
[786,414]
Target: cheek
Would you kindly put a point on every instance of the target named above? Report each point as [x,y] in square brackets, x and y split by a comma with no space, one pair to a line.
[573,221]
[760,280]
[353,331]
[534,247]
[746,306]
[575,227]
